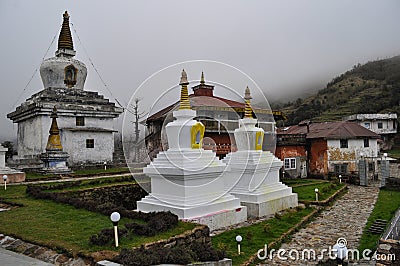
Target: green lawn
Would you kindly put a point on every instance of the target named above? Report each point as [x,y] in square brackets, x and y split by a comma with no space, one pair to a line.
[307,193]
[393,153]
[33,176]
[256,236]
[62,226]
[386,205]
[300,182]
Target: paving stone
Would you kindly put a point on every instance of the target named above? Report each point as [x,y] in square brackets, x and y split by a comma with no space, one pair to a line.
[346,218]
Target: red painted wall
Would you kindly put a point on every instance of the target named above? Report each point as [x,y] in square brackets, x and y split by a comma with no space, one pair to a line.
[318,157]
[290,151]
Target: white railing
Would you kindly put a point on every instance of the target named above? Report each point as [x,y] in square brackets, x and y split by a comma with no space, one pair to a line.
[392,232]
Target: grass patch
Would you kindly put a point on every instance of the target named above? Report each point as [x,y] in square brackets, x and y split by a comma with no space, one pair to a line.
[94,183]
[34,176]
[307,193]
[385,207]
[394,154]
[256,236]
[298,181]
[63,227]
[101,171]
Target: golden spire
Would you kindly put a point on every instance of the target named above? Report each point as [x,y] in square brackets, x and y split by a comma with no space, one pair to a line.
[54,141]
[65,38]
[202,78]
[184,101]
[247,111]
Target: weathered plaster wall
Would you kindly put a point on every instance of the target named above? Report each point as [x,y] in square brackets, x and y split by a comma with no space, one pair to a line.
[75,144]
[29,138]
[283,152]
[33,134]
[350,155]
[319,157]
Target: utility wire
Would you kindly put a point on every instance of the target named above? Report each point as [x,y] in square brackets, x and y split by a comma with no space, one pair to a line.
[34,72]
[101,79]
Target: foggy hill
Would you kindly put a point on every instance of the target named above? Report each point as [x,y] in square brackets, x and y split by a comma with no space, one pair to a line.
[370,88]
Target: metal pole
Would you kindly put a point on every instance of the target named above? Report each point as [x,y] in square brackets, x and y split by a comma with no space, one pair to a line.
[116,235]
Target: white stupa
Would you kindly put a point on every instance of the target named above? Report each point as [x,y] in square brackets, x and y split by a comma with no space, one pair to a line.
[254,173]
[13,176]
[186,179]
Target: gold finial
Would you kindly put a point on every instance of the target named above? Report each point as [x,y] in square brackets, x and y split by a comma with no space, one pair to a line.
[247,110]
[65,37]
[184,101]
[54,141]
[202,78]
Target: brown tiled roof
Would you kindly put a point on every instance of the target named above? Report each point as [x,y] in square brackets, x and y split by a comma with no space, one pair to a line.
[202,101]
[330,130]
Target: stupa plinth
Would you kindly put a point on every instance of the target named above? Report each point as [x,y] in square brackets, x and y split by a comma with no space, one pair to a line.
[186,179]
[13,176]
[254,173]
[54,159]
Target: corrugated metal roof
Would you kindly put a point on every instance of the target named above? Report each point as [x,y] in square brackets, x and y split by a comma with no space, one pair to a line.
[330,130]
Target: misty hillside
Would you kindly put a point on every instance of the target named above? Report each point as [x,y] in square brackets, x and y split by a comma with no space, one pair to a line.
[370,88]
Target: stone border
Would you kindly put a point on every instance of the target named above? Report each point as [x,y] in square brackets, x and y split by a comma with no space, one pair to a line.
[326,202]
[39,252]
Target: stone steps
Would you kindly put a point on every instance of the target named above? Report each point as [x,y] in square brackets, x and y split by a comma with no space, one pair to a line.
[378,226]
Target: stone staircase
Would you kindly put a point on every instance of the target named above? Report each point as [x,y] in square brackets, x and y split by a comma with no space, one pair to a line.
[378,226]
[119,157]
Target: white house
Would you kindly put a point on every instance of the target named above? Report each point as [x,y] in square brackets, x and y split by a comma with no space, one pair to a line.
[383,124]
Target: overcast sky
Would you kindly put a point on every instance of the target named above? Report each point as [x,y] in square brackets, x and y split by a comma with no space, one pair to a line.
[286,47]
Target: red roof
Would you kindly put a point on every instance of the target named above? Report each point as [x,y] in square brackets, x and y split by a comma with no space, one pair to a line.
[330,130]
[200,101]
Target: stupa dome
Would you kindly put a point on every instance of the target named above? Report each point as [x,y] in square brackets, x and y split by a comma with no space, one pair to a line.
[63,71]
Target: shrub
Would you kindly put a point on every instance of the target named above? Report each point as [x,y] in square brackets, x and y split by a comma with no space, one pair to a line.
[106,236]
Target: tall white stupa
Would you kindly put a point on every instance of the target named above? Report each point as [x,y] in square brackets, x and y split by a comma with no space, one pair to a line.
[254,173]
[188,180]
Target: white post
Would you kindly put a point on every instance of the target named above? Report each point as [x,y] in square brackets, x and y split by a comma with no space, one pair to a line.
[316,194]
[115,217]
[238,240]
[105,165]
[340,178]
[5,181]
[116,235]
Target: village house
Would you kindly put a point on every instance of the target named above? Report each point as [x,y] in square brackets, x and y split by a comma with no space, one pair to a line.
[85,118]
[322,148]
[220,117]
[383,124]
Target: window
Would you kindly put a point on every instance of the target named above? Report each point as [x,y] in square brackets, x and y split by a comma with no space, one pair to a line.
[80,121]
[290,163]
[367,125]
[344,143]
[89,143]
[380,125]
[366,143]
[340,168]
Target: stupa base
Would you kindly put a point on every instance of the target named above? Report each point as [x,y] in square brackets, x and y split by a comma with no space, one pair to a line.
[224,212]
[13,176]
[271,206]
